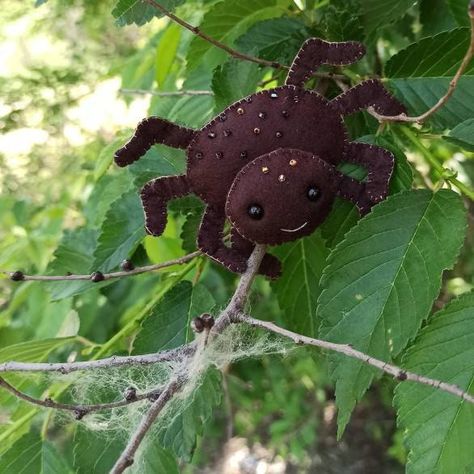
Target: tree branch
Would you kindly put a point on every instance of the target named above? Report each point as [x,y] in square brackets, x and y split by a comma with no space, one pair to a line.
[110,362]
[349,351]
[98,276]
[126,459]
[236,304]
[240,297]
[195,30]
[442,101]
[79,410]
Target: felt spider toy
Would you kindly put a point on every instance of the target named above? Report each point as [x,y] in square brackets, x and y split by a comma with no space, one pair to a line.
[268,163]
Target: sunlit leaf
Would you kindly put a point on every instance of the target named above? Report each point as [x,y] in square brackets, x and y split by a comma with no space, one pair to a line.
[298,288]
[382,280]
[420,76]
[439,427]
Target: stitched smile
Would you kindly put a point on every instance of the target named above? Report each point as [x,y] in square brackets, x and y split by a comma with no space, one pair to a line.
[294,230]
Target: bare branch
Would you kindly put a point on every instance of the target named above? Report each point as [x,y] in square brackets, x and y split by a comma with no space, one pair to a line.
[165,93]
[110,362]
[98,276]
[79,410]
[442,101]
[239,299]
[396,372]
[126,459]
[195,30]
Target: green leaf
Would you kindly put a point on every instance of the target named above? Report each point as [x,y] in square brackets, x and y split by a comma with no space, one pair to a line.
[193,110]
[342,21]
[459,10]
[122,230]
[225,22]
[166,52]
[344,214]
[73,255]
[32,351]
[380,13]
[127,12]
[439,427]
[342,218]
[420,76]
[180,431]
[190,228]
[167,326]
[298,288]
[95,452]
[277,39]
[435,16]
[463,135]
[155,459]
[158,161]
[234,80]
[382,280]
[32,455]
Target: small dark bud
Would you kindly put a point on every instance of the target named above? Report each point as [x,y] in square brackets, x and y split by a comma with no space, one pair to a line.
[127,265]
[130,394]
[48,400]
[129,462]
[208,320]
[17,276]
[79,414]
[153,397]
[197,325]
[97,276]
[68,273]
[402,376]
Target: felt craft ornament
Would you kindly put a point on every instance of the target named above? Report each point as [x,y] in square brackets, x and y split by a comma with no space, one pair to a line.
[268,163]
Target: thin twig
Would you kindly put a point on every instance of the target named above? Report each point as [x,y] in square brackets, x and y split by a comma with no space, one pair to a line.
[79,410]
[240,297]
[110,362]
[195,30]
[164,93]
[442,101]
[235,306]
[126,459]
[107,276]
[396,372]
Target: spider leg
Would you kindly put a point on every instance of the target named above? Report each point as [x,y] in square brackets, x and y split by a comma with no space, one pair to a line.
[210,241]
[150,131]
[314,52]
[379,164]
[155,196]
[270,266]
[368,94]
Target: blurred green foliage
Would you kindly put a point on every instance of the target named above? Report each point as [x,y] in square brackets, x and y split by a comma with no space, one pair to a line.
[77,77]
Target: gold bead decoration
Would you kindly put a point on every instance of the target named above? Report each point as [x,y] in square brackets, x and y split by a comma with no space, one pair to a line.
[265,169]
[293,162]
[240,111]
[282,178]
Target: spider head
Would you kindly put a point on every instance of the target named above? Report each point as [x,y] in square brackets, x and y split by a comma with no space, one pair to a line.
[281,196]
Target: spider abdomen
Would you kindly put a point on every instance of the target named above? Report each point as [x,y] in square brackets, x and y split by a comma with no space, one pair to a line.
[284,117]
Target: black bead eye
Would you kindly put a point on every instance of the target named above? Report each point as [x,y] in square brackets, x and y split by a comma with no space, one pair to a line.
[255,211]
[313,193]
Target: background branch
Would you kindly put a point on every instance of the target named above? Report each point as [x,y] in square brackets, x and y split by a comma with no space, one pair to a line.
[349,351]
[79,410]
[110,362]
[126,459]
[195,30]
[442,101]
[99,276]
